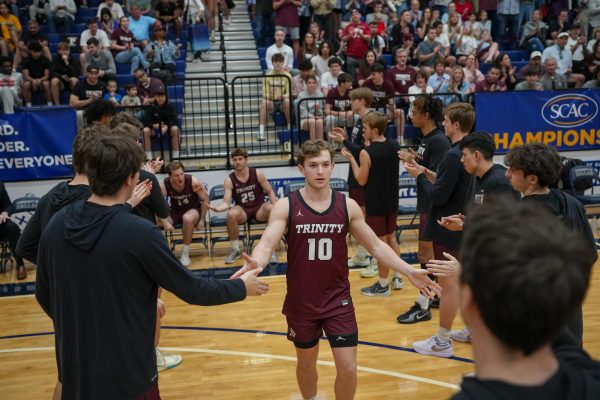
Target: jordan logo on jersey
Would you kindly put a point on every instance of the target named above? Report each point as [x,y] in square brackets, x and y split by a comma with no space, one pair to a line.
[299,214]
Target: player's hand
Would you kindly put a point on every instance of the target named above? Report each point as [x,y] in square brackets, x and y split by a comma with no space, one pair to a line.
[419,279]
[254,286]
[453,222]
[407,155]
[346,154]
[3,217]
[413,168]
[250,264]
[444,268]
[200,225]
[141,191]
[337,134]
[167,226]
[161,309]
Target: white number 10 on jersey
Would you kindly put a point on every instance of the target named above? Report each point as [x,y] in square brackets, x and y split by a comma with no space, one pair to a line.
[320,251]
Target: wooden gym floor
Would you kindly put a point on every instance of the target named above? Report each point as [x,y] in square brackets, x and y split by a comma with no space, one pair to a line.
[239,351]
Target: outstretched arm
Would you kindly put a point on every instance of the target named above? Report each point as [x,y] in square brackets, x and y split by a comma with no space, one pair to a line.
[384,254]
[226,204]
[269,240]
[266,186]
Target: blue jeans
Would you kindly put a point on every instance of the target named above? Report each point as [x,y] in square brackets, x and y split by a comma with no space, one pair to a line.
[264,31]
[133,56]
[508,39]
[535,44]
[525,13]
[54,20]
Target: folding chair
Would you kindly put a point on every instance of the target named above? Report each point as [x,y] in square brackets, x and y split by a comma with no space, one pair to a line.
[407,214]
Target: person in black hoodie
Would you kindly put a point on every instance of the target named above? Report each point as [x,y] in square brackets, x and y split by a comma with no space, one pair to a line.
[99,269]
[524,276]
[9,230]
[161,117]
[450,190]
[531,169]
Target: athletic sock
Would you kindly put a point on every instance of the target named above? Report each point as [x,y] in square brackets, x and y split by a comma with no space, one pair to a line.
[186,249]
[175,153]
[423,302]
[396,274]
[261,129]
[384,282]
[443,334]
[235,245]
[149,155]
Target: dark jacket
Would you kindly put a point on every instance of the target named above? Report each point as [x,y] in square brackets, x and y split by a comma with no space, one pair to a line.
[99,269]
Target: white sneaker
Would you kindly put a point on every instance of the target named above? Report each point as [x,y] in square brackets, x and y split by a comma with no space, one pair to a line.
[370,271]
[463,336]
[434,347]
[166,360]
[274,259]
[233,256]
[185,259]
[357,261]
[261,137]
[397,283]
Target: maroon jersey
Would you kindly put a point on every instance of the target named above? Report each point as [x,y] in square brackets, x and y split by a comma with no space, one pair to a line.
[402,79]
[247,194]
[185,200]
[381,94]
[317,273]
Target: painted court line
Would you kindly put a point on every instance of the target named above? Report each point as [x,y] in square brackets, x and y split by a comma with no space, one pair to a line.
[269,356]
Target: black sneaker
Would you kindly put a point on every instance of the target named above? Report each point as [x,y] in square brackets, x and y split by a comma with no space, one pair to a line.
[434,303]
[376,290]
[414,315]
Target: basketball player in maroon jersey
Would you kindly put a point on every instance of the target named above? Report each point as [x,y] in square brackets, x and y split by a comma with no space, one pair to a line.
[315,221]
[248,186]
[189,204]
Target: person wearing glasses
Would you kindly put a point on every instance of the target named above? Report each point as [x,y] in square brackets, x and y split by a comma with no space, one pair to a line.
[564,59]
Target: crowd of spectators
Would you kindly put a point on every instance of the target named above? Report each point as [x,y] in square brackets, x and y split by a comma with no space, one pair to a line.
[133,33]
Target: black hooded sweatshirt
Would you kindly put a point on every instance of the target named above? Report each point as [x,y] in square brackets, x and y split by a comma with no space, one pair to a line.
[99,269]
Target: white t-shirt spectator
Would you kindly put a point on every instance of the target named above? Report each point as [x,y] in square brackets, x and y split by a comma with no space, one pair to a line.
[100,35]
[578,53]
[328,81]
[286,51]
[116,10]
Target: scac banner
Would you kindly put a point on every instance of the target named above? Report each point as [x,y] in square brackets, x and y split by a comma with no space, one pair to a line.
[567,120]
[37,144]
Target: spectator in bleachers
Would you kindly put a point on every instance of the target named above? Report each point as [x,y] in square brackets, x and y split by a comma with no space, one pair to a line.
[140,26]
[472,73]
[376,41]
[594,39]
[507,71]
[450,13]
[161,118]
[356,35]
[144,7]
[308,49]
[280,48]
[11,30]
[64,73]
[452,29]
[264,21]
[32,34]
[577,44]
[311,111]
[321,61]
[594,83]
[86,91]
[402,76]
[400,29]
[36,74]
[111,92]
[557,26]
[464,8]
[288,21]
[439,77]
[276,94]
[61,12]
[318,33]
[563,55]
[508,20]
[415,12]
[10,87]
[107,22]
[531,82]
[487,49]
[442,39]
[115,9]
[378,15]
[492,82]
[364,71]
[483,22]
[466,43]
[330,79]
[299,81]
[424,23]
[552,79]
[419,88]
[124,49]
[39,10]
[101,59]
[534,33]
[535,62]
[168,13]
[147,86]
[430,51]
[92,32]
[594,16]
[322,13]
[412,51]
[338,106]
[162,53]
[457,85]
[594,58]
[131,99]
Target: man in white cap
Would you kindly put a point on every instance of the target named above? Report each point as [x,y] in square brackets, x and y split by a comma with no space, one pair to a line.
[564,59]
[535,62]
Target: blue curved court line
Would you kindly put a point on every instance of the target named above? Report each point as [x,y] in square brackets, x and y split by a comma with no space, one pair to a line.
[253,331]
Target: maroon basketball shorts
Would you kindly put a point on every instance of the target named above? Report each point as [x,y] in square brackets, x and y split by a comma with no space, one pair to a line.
[150,394]
[341,330]
[382,224]
[439,249]
[358,195]
[251,211]
[423,218]
[177,215]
